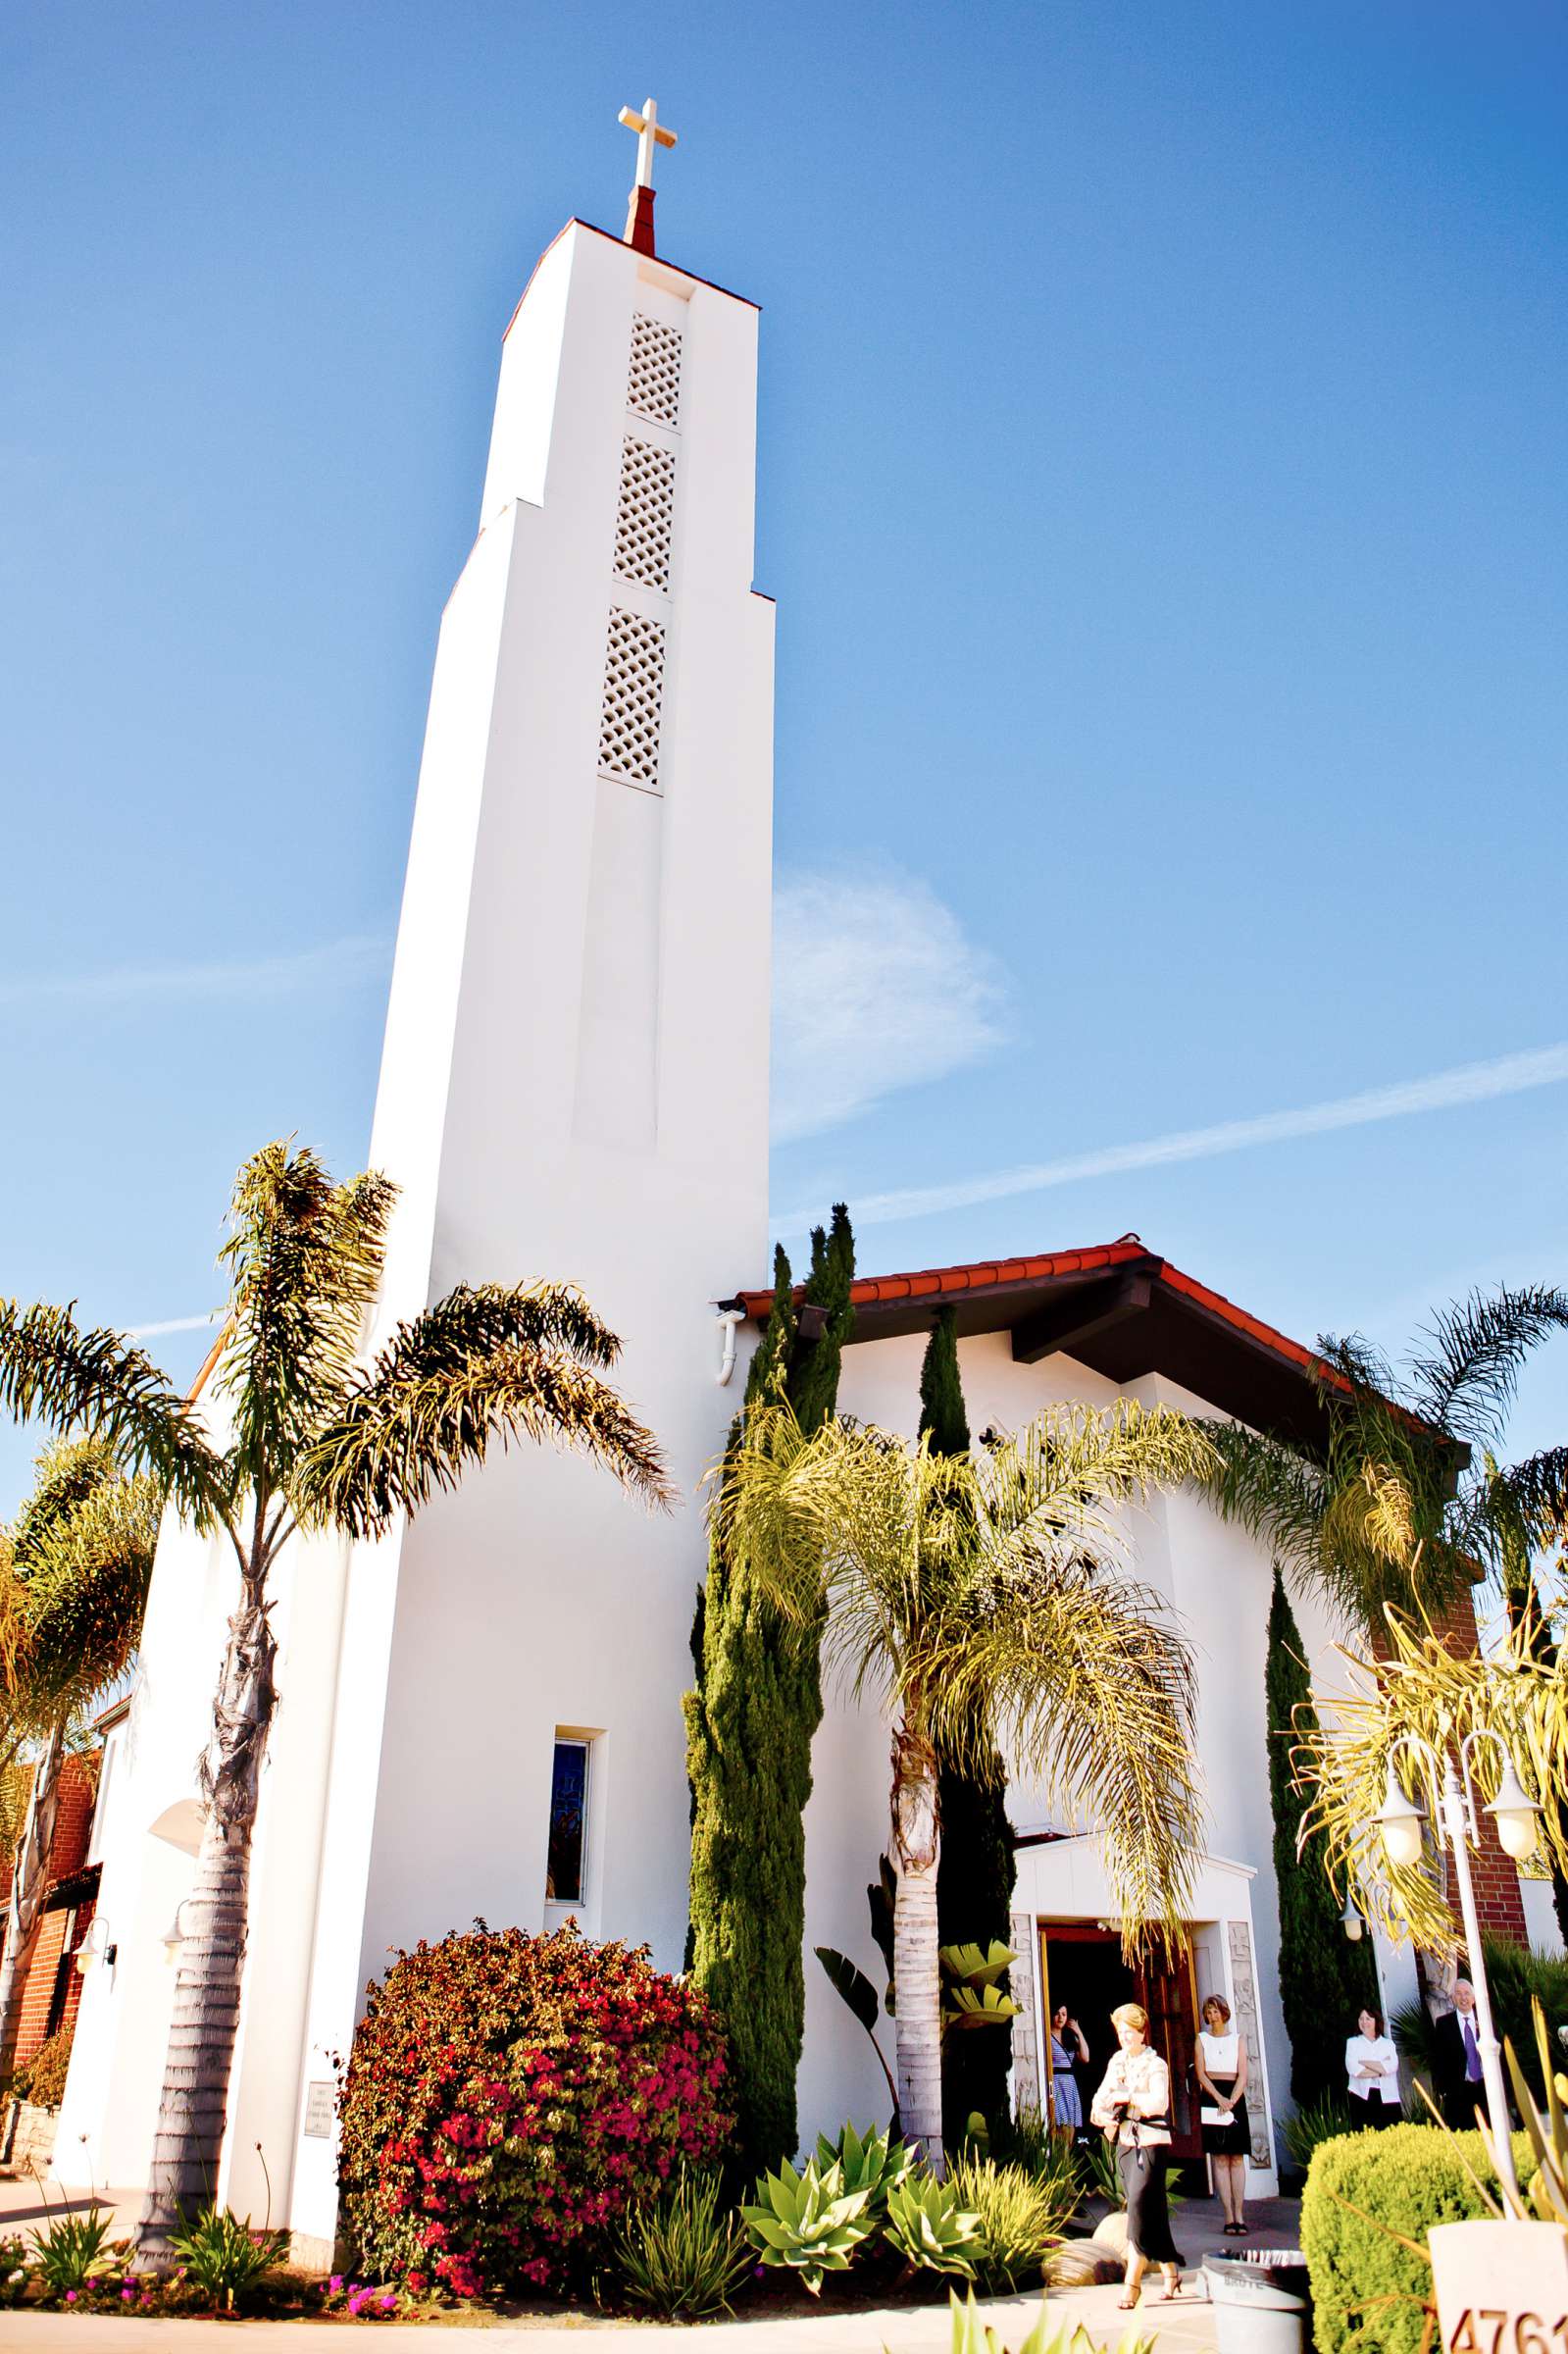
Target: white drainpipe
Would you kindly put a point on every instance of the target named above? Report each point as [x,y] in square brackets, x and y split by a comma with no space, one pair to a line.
[730,1319]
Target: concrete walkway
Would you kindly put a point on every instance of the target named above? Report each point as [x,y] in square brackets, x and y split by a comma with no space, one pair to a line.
[1185,2328]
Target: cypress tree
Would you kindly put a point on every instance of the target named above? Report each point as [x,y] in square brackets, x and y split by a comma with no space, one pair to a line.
[975,1868]
[757,1702]
[1325,1980]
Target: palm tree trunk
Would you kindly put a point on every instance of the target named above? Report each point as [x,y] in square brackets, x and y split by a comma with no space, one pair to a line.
[917,1971]
[192,2114]
[29,1884]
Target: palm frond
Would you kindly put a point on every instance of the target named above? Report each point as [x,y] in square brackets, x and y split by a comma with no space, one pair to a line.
[304,1258]
[1088,1684]
[65,1475]
[1464,1380]
[86,1594]
[1276,1493]
[98,1381]
[978,1599]
[1440,1695]
[1065,1482]
[422,1415]
[1535,1495]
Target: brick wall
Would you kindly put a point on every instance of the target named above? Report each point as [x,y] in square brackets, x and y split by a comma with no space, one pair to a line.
[45,1976]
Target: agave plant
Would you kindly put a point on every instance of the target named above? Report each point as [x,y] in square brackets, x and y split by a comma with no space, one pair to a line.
[974,2336]
[971,1996]
[807,2222]
[930,2228]
[874,2161]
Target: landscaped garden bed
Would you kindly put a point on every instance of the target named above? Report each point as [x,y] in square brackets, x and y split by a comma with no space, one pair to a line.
[539,2126]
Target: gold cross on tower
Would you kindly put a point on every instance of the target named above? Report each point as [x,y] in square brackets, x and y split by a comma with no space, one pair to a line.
[639,211]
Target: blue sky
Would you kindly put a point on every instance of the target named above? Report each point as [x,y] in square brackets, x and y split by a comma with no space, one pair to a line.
[1162,483]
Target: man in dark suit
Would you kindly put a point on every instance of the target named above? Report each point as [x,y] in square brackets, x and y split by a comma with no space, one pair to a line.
[1458,2059]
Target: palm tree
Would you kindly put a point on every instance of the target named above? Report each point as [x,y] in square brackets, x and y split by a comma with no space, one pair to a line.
[73,1576]
[978,1598]
[313,1440]
[1387,1511]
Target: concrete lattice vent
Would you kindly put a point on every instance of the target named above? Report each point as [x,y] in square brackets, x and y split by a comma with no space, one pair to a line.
[634,689]
[653,387]
[643,517]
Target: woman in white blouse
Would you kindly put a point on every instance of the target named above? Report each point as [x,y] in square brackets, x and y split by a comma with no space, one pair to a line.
[1372,2072]
[1222,2085]
[1133,2106]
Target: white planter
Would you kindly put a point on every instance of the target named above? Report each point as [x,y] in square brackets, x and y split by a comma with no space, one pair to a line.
[1500,2289]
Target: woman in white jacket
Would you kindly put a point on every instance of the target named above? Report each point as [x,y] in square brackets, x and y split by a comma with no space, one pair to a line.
[1372,2074]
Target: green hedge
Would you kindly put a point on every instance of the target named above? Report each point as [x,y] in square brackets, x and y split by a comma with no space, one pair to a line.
[1367,2290]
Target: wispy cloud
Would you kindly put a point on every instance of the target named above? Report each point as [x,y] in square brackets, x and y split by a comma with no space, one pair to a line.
[1466,1083]
[338,963]
[876,986]
[156,1332]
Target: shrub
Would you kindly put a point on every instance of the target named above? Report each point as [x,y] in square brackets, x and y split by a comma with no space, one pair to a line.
[510,2098]
[1020,2221]
[42,2079]
[808,2222]
[682,2254]
[1368,2291]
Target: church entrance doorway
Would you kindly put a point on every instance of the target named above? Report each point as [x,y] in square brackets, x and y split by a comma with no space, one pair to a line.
[1082,1966]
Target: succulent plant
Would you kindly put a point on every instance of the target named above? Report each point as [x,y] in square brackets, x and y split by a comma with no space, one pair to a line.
[927,2226]
[807,2222]
[973,2335]
[874,2161]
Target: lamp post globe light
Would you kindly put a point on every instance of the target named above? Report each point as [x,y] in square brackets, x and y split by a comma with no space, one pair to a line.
[1402,1821]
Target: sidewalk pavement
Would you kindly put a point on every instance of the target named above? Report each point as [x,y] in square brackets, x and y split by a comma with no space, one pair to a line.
[1184,2328]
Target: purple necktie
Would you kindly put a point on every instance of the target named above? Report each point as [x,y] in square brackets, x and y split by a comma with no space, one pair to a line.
[1472,2055]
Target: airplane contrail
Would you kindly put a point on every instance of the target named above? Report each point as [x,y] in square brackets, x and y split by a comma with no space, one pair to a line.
[1466,1083]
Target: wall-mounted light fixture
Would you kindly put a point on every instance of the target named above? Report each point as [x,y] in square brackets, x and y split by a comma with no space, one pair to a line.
[174,1935]
[96,1946]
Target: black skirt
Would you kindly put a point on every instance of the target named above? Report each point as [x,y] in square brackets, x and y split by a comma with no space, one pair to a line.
[1233,2140]
[1148,2217]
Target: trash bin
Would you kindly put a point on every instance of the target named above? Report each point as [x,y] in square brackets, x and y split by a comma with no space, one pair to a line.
[1260,2301]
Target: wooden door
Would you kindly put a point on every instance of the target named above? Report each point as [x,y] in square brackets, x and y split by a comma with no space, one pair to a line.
[1167,1995]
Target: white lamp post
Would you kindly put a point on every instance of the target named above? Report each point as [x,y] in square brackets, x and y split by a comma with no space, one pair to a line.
[1402,1821]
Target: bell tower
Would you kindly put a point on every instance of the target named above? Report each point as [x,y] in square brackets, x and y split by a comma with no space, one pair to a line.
[573,1086]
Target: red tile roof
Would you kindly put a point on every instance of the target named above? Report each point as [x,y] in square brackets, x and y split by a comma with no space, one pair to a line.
[942,1285]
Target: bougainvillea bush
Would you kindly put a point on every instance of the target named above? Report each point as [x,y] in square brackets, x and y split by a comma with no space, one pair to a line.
[509,2097]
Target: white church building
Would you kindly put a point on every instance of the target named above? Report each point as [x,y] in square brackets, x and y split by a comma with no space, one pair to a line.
[481,1715]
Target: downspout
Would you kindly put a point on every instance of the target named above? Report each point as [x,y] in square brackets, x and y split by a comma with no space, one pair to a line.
[730,1319]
